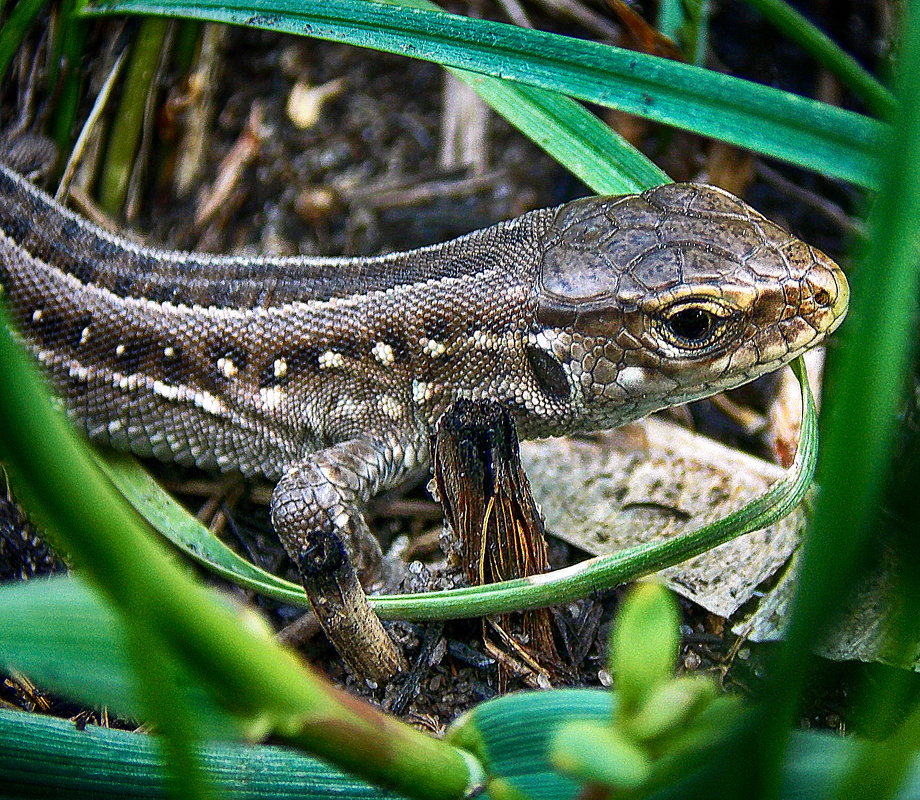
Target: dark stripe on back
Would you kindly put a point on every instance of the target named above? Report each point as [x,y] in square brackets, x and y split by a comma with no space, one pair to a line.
[34,221]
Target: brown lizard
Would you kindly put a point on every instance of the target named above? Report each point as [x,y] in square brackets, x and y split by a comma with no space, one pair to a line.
[328,374]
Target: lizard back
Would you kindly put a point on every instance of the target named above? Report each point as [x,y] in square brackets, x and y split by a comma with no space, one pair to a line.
[247,363]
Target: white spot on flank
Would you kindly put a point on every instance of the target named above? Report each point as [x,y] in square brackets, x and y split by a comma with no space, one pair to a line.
[227,367]
[120,350]
[280,368]
[421,391]
[169,351]
[383,353]
[165,391]
[271,397]
[114,426]
[330,360]
[84,335]
[37,315]
[433,347]
[390,406]
[209,403]
[78,371]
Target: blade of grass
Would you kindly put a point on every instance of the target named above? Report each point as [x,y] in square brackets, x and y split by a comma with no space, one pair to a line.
[70,36]
[860,419]
[803,131]
[49,757]
[814,41]
[72,643]
[671,18]
[889,708]
[126,129]
[592,151]
[698,30]
[167,708]
[14,30]
[187,533]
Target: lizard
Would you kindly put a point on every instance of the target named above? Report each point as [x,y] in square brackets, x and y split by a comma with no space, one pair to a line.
[328,375]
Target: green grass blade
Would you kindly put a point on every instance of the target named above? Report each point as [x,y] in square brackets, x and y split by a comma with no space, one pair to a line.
[71,642]
[571,134]
[697,29]
[814,41]
[48,757]
[188,534]
[860,418]
[128,122]
[70,36]
[14,30]
[512,735]
[803,131]
[604,572]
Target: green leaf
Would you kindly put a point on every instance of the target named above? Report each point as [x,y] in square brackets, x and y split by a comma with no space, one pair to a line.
[672,706]
[14,29]
[188,534]
[571,134]
[598,753]
[868,371]
[644,644]
[48,757]
[69,641]
[797,129]
[828,53]
[511,736]
[128,122]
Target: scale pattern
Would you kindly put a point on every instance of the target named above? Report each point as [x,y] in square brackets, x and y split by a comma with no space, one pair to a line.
[329,374]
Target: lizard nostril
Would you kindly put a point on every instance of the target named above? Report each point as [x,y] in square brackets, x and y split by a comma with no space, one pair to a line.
[829,288]
[822,297]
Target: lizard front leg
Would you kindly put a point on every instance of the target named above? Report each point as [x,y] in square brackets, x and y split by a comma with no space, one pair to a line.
[328,490]
[317,510]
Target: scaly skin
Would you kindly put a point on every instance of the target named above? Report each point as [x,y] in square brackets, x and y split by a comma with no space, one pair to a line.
[329,374]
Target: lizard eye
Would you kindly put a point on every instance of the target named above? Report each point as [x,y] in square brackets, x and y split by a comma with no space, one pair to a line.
[693,325]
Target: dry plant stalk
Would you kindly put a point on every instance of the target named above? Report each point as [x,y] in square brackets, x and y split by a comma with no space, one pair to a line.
[487,501]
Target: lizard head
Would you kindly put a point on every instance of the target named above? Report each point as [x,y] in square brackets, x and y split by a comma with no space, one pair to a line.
[645,301]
